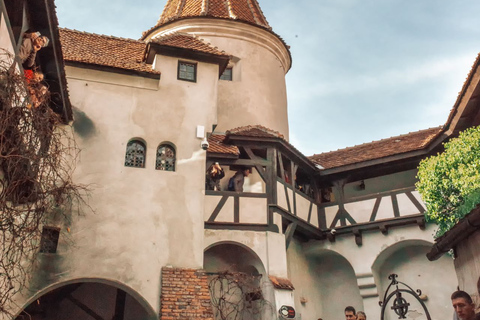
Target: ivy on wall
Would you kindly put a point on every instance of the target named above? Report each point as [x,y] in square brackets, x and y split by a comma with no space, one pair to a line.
[449,182]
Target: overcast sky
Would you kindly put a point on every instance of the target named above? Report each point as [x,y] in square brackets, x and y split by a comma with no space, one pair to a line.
[362,70]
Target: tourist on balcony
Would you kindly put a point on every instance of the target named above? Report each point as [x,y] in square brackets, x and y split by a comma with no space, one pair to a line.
[236,182]
[31,44]
[463,305]
[213,176]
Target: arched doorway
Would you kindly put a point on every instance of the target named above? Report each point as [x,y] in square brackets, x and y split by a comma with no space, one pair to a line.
[87,300]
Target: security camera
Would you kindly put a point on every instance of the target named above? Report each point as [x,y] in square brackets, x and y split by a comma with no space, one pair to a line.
[204,144]
[333,231]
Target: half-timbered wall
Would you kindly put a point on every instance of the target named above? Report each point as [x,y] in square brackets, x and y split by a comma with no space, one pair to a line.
[297,203]
[386,197]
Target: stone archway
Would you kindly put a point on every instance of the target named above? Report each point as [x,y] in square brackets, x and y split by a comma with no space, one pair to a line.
[87,299]
[408,260]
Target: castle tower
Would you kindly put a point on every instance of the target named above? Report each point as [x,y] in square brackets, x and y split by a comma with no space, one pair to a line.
[259,60]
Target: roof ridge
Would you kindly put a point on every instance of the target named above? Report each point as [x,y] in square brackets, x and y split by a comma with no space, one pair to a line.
[256,126]
[375,141]
[102,35]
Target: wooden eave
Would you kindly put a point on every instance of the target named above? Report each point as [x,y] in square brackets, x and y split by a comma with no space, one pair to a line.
[460,232]
[216,155]
[385,165]
[153,49]
[43,18]
[281,144]
[111,69]
[466,110]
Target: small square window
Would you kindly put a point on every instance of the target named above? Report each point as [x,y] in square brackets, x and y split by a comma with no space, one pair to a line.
[187,71]
[49,241]
[227,75]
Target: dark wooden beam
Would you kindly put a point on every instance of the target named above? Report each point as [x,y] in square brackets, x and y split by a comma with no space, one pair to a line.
[386,224]
[259,168]
[245,162]
[241,226]
[233,193]
[236,209]
[303,228]
[218,208]
[396,210]
[271,181]
[373,216]
[120,305]
[358,236]
[85,308]
[293,170]
[322,217]
[415,202]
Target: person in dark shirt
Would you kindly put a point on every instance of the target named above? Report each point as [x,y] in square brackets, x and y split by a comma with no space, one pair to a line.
[213,176]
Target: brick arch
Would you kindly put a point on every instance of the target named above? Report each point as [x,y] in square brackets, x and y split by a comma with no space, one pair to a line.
[60,288]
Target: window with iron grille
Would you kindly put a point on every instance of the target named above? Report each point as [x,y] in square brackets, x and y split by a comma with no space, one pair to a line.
[187,71]
[49,241]
[227,75]
[135,155]
[165,158]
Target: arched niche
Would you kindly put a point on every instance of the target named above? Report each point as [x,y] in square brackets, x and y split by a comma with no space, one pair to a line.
[85,299]
[232,256]
[335,280]
[436,279]
[246,287]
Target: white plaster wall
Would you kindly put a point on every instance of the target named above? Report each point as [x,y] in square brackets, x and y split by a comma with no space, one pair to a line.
[5,39]
[257,94]
[142,218]
[362,258]
[433,278]
[467,265]
[306,283]
[268,246]
[303,207]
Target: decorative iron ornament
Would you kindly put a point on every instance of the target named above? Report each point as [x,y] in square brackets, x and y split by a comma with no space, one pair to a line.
[400,304]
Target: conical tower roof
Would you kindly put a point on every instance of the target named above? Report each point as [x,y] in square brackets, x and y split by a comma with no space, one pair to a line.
[241,10]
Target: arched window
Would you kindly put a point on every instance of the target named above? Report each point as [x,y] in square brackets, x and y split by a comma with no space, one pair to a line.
[165,158]
[135,155]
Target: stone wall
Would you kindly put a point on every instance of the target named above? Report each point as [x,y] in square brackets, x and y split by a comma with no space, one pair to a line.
[185,295]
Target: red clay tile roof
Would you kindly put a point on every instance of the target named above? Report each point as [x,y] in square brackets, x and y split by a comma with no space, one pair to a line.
[187,41]
[281,283]
[242,10]
[476,64]
[104,50]
[217,145]
[255,131]
[376,149]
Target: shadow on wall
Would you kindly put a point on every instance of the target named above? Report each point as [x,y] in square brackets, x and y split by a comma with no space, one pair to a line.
[82,124]
[436,280]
